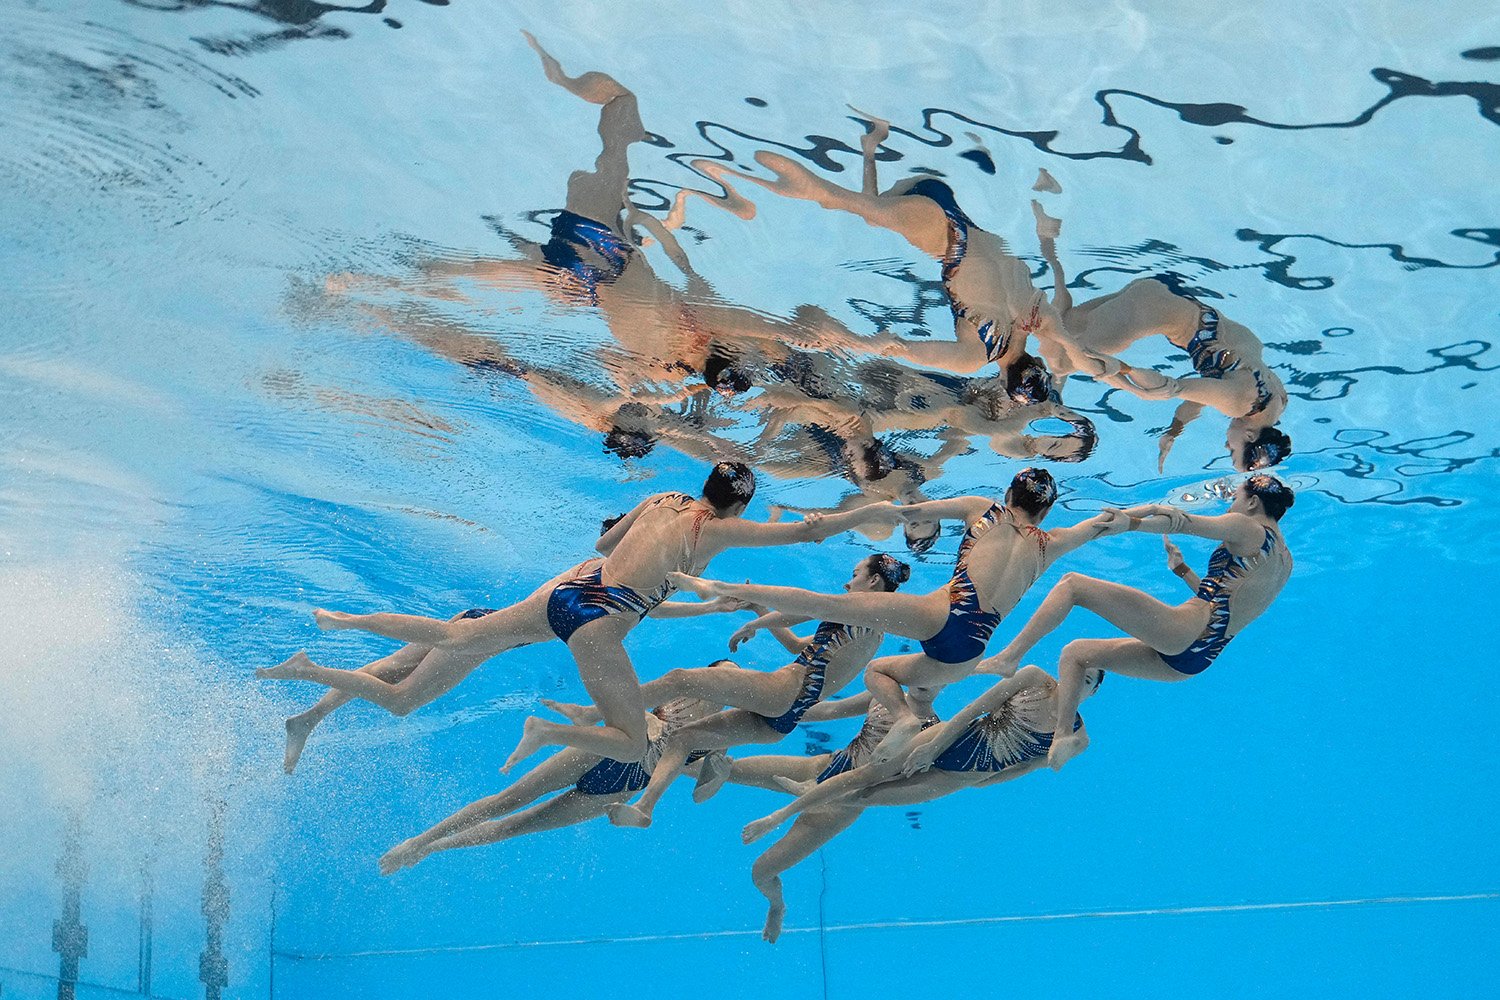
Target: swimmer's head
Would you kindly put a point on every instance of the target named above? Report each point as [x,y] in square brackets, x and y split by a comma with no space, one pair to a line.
[723,376]
[1092,678]
[1074,447]
[1033,491]
[870,461]
[921,535]
[878,572]
[1258,448]
[1266,493]
[628,443]
[729,488]
[1028,381]
[631,433]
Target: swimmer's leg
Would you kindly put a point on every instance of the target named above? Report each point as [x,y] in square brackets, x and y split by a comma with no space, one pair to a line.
[919,220]
[721,683]
[390,669]
[557,772]
[774,772]
[904,685]
[611,682]
[1129,657]
[717,732]
[809,833]
[1134,612]
[568,809]
[835,792]
[909,615]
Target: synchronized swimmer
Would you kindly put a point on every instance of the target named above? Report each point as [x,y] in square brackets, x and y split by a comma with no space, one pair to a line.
[612,747]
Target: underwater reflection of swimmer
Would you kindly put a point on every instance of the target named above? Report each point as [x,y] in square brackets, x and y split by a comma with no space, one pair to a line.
[596,784]
[591,608]
[1003,552]
[1232,374]
[662,335]
[994,303]
[1002,735]
[1245,574]
[632,423]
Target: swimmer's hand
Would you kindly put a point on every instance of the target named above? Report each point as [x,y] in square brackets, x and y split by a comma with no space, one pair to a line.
[921,757]
[1111,521]
[1147,383]
[726,605]
[1175,561]
[1177,520]
[1000,664]
[742,635]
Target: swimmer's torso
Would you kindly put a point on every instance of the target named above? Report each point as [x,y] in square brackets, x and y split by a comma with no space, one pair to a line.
[663,539]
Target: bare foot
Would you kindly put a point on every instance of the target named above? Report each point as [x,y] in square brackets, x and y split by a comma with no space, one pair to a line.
[1047,228]
[797,788]
[287,670]
[532,739]
[697,585]
[880,130]
[298,728]
[403,855]
[625,814]
[774,917]
[1066,749]
[332,621]
[759,828]
[713,771]
[579,715]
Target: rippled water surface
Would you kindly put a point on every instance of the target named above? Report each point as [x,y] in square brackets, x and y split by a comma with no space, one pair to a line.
[279,334]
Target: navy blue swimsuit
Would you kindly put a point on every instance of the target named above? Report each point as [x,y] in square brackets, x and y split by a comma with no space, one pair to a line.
[585,598]
[1223,569]
[1212,361]
[572,232]
[609,777]
[813,659]
[968,628]
[857,753]
[996,742]
[995,340]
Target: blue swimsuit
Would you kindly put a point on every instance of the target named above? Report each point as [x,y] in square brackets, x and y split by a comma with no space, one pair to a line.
[995,742]
[1223,569]
[857,753]
[813,659]
[572,232]
[609,777]
[969,627]
[995,340]
[585,598]
[1212,361]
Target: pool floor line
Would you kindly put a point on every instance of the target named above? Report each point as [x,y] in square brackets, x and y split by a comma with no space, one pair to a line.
[1171,911]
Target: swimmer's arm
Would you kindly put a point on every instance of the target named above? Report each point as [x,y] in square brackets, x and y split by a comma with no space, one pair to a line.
[1179,566]
[962,357]
[607,541]
[1242,534]
[777,623]
[1186,413]
[1226,397]
[739,533]
[1064,540]
[839,708]
[965,509]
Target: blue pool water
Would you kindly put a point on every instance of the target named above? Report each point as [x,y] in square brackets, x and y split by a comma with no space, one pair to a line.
[204,438]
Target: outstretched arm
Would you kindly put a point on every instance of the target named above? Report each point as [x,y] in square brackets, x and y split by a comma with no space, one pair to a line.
[1064,540]
[965,509]
[736,532]
[777,623]
[1243,534]
[1186,414]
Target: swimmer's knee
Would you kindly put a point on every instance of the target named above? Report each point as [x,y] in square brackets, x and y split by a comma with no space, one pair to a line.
[1074,658]
[765,875]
